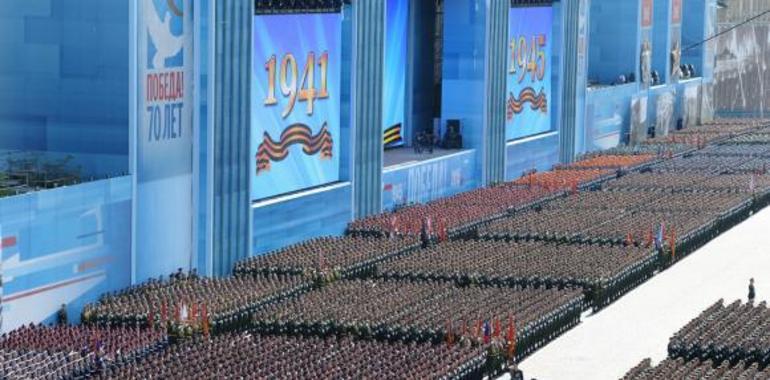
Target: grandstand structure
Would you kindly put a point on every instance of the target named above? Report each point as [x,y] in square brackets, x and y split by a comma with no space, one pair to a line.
[443,189]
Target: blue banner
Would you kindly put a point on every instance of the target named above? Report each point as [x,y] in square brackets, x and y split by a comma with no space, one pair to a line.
[529,72]
[394,84]
[295,121]
[164,140]
[429,180]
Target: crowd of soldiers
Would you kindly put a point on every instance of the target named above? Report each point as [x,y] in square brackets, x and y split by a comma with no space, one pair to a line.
[567,180]
[439,312]
[723,342]
[696,369]
[624,217]
[341,255]
[110,342]
[452,213]
[26,364]
[657,149]
[689,182]
[252,356]
[716,165]
[732,333]
[736,150]
[762,138]
[593,268]
[63,352]
[610,161]
[402,310]
[193,303]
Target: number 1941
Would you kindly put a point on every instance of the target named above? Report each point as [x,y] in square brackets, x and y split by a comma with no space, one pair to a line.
[303,90]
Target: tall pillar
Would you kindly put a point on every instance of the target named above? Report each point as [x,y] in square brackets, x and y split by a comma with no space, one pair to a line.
[368,60]
[232,73]
[494,107]
[573,67]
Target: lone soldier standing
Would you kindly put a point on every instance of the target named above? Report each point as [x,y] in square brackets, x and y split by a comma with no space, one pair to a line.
[61,315]
[752,294]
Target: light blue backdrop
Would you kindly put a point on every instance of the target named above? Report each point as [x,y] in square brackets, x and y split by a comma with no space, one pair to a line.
[64,81]
[299,35]
[393,113]
[66,245]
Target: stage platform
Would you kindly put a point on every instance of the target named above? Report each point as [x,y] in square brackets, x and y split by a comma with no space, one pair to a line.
[407,155]
[638,326]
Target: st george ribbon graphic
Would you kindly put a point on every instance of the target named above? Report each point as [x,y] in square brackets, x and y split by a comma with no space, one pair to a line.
[297,132]
[537,102]
[269,150]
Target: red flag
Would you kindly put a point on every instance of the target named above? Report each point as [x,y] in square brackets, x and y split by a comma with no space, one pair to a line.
[649,239]
[150,319]
[629,239]
[205,318]
[177,312]
[163,313]
[464,327]
[478,329]
[672,243]
[511,338]
[193,310]
[498,328]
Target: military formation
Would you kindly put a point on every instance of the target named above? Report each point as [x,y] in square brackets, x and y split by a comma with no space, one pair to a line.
[253,356]
[71,352]
[696,369]
[601,271]
[723,342]
[454,289]
[188,304]
[611,161]
[735,332]
[629,216]
[339,255]
[453,214]
[690,182]
[405,310]
[565,180]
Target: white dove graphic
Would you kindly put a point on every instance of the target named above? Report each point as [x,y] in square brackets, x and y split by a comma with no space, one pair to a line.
[166,44]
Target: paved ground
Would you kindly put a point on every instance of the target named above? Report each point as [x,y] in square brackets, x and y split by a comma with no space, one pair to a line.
[609,343]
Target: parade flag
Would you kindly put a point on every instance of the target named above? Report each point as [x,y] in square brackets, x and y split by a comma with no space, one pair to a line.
[205,319]
[497,328]
[163,313]
[477,333]
[150,319]
[660,236]
[629,239]
[649,239]
[511,338]
[672,243]
[487,332]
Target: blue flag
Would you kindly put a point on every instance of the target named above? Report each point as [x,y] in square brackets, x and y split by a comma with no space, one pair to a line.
[659,236]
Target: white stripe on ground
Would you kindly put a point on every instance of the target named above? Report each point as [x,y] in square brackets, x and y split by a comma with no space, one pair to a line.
[637,326]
